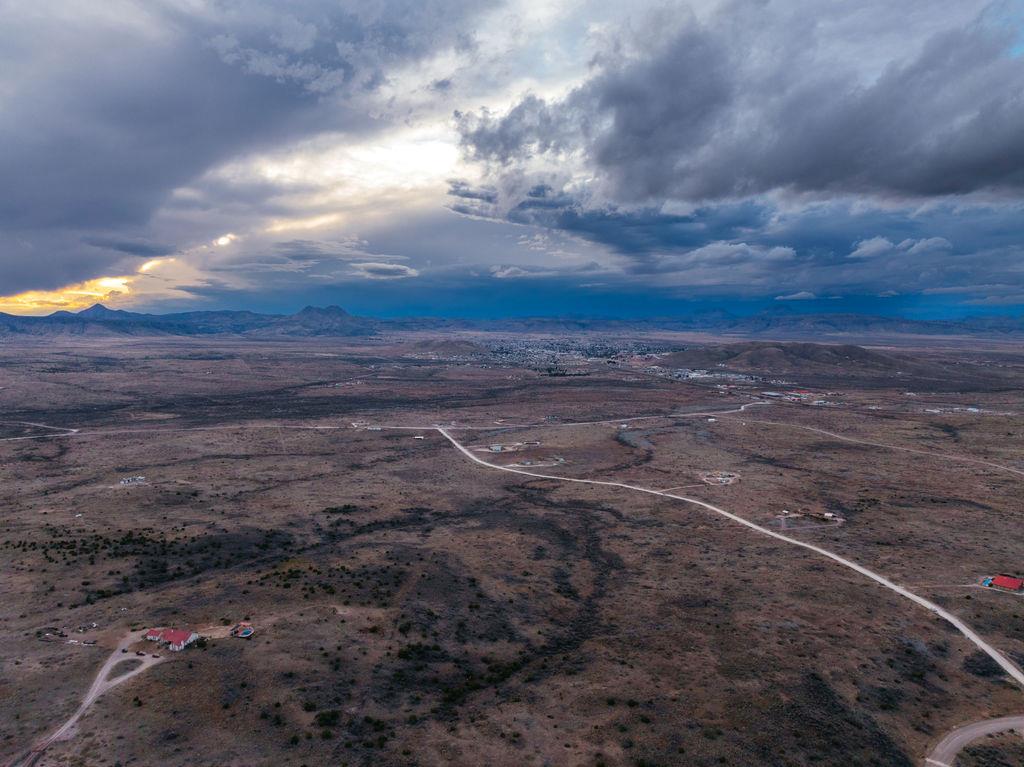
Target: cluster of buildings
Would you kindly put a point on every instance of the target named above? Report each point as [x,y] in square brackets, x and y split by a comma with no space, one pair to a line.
[826,516]
[566,353]
[539,354]
[527,462]
[697,374]
[800,395]
[500,448]
[133,480]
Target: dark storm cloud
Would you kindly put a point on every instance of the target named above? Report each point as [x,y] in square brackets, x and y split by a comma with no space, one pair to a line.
[290,264]
[751,247]
[632,232]
[104,114]
[463,189]
[103,143]
[728,108]
[323,45]
[799,139]
[530,126]
[130,247]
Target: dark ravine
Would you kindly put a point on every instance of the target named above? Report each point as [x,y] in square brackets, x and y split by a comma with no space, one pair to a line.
[99,321]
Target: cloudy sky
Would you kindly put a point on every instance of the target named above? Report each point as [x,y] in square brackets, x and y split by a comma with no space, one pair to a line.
[513,156]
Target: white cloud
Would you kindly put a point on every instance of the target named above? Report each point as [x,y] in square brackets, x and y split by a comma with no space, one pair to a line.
[374,270]
[803,295]
[880,246]
[925,246]
[504,272]
[876,246]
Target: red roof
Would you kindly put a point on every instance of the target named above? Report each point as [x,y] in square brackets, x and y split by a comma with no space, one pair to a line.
[154,633]
[175,636]
[1008,582]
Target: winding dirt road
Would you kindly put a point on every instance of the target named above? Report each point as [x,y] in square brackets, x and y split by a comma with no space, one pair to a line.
[101,684]
[1008,666]
[944,754]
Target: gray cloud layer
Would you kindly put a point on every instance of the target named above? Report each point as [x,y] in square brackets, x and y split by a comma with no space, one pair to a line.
[877,145]
[778,147]
[106,110]
[742,104]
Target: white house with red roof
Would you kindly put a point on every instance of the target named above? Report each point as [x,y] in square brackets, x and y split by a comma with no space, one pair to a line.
[175,639]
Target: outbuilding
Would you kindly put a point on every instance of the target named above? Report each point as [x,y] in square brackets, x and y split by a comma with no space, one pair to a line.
[1007,582]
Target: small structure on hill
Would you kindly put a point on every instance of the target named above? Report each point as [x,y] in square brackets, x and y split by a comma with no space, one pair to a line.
[175,640]
[1005,583]
[133,480]
[243,630]
[719,477]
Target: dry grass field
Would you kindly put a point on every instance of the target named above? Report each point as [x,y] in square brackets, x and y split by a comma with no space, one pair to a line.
[413,607]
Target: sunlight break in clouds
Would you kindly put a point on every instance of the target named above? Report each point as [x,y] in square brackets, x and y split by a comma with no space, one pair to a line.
[114,290]
[69,298]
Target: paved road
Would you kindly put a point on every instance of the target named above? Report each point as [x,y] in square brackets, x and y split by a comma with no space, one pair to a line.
[944,754]
[1008,666]
[101,684]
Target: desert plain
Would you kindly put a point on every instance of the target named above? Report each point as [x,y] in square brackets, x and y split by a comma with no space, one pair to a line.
[415,604]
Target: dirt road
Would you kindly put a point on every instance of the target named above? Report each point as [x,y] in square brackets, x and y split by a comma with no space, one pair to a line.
[101,684]
[1010,668]
[944,754]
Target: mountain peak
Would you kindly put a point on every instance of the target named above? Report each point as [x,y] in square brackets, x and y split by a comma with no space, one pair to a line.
[100,312]
[96,310]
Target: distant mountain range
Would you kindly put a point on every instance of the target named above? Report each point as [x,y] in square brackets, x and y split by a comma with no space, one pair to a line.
[99,321]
